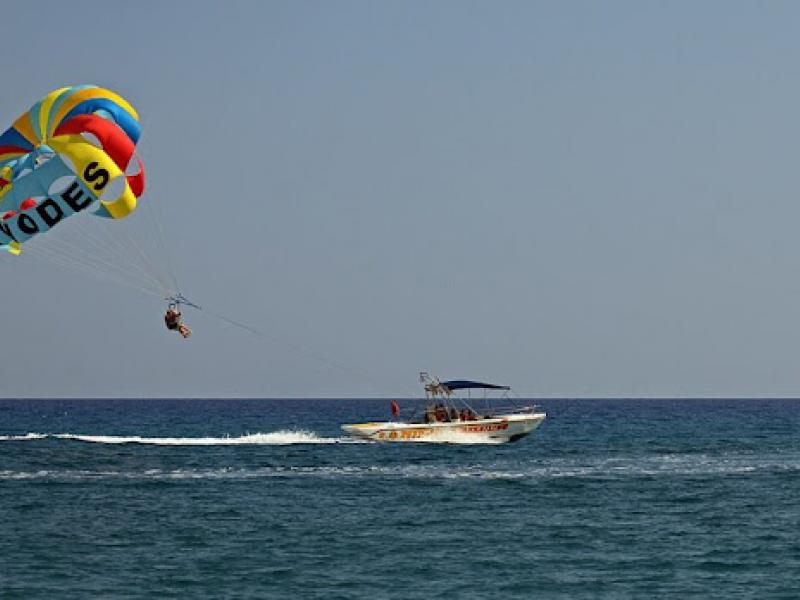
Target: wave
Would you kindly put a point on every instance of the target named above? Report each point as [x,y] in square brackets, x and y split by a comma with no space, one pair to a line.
[601,469]
[274,438]
[675,465]
[23,438]
[230,473]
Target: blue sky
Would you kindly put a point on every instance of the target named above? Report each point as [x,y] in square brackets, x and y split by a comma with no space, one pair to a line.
[573,198]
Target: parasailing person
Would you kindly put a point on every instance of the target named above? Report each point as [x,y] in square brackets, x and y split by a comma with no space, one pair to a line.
[173,319]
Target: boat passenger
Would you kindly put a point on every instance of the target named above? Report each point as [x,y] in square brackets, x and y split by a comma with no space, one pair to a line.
[430,414]
[453,413]
[441,413]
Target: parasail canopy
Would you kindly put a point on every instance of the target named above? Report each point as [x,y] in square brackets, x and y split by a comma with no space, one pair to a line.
[73,151]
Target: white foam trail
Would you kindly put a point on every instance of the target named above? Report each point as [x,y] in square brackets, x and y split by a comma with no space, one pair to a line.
[22,438]
[275,438]
[602,468]
[24,474]
[402,472]
[663,465]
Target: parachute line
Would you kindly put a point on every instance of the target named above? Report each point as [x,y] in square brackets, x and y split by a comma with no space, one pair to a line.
[156,224]
[91,246]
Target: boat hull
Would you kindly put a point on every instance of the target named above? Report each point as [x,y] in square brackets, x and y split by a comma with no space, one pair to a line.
[498,429]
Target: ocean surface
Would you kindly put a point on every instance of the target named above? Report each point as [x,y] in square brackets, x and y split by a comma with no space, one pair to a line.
[267,499]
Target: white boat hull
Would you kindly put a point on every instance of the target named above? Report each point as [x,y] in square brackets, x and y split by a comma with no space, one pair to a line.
[497,429]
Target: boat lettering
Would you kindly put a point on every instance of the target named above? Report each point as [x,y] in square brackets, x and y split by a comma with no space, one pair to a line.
[484,428]
[410,434]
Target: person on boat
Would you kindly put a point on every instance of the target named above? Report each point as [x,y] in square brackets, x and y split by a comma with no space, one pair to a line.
[430,414]
[441,413]
[453,413]
[173,319]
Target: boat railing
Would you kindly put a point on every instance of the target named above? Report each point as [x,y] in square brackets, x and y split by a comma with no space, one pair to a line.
[417,414]
[512,409]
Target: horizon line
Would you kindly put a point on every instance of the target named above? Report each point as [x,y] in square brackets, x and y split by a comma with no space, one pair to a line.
[290,398]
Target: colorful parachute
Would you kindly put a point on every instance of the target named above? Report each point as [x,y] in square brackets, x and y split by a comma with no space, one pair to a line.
[72,151]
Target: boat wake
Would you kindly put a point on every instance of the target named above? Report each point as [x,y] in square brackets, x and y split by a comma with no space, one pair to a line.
[274,438]
[22,438]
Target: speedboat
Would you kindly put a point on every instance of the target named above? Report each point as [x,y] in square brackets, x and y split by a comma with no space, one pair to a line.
[451,419]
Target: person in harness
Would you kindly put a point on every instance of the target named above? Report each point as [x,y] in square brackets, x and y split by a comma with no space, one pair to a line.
[173,319]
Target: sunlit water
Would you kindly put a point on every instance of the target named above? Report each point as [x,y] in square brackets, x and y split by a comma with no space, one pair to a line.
[268,499]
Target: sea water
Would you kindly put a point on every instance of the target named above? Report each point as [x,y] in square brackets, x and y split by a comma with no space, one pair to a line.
[268,499]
